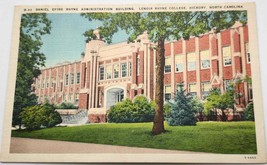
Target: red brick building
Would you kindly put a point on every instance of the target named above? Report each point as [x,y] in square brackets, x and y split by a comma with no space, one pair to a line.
[109,73]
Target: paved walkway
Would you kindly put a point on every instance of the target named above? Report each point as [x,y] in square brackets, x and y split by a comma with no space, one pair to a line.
[25,145]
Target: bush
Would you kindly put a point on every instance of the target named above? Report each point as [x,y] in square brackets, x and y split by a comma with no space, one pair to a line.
[249,112]
[182,111]
[38,116]
[128,111]
[65,105]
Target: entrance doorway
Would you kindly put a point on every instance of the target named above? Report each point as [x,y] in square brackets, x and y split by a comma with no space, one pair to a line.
[114,95]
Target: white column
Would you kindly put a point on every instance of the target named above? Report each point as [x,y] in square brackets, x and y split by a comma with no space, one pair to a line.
[220,60]
[96,81]
[149,76]
[145,68]
[90,83]
[172,68]
[185,65]
[198,68]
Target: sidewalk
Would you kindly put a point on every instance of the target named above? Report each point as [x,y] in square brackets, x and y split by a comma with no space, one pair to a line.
[25,145]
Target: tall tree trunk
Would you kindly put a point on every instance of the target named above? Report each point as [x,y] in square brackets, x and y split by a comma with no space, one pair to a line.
[158,125]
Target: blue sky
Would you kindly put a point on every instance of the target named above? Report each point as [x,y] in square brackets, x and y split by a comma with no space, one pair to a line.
[66,41]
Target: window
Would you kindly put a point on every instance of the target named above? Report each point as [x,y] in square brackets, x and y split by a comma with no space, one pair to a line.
[179,86]
[167,92]
[247,53]
[123,69]
[205,59]
[101,72]
[116,70]
[76,99]
[227,85]
[179,67]
[167,68]
[250,92]
[66,79]
[51,82]
[78,76]
[71,97]
[138,65]
[108,72]
[192,89]
[72,78]
[206,86]
[227,56]
[43,83]
[130,69]
[47,83]
[191,61]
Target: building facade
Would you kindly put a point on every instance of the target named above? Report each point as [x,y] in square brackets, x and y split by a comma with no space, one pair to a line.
[107,74]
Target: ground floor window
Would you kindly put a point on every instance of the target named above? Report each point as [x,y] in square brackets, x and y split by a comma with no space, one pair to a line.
[167,92]
[192,89]
[206,86]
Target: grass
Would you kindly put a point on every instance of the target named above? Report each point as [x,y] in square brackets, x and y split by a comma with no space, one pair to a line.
[212,137]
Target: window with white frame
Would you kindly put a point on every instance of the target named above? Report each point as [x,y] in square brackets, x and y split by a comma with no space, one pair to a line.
[192,89]
[47,83]
[76,99]
[66,79]
[108,71]
[227,84]
[72,78]
[138,65]
[43,83]
[116,70]
[78,76]
[167,92]
[206,86]
[51,82]
[247,53]
[167,68]
[205,59]
[191,61]
[101,72]
[227,56]
[179,67]
[124,69]
[179,86]
[130,69]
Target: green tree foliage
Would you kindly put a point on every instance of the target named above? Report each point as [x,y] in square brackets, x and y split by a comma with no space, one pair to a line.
[128,111]
[249,112]
[35,117]
[162,26]
[182,111]
[33,26]
[216,101]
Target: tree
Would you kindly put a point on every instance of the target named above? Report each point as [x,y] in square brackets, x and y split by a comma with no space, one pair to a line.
[30,59]
[161,26]
[215,100]
[182,110]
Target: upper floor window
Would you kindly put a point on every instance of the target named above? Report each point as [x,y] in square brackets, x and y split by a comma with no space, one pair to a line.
[179,67]
[66,79]
[205,59]
[101,72]
[191,61]
[247,53]
[72,78]
[78,76]
[227,56]
[167,68]
[124,69]
[138,65]
[116,70]
[108,72]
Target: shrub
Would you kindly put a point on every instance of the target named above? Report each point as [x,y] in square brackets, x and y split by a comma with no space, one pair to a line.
[181,112]
[38,116]
[127,111]
[66,105]
[249,112]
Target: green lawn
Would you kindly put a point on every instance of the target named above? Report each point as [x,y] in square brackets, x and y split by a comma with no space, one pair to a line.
[214,137]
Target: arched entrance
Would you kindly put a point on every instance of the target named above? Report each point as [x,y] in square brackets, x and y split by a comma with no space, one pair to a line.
[114,95]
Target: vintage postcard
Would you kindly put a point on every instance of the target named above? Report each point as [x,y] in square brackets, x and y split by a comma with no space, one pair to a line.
[154,83]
